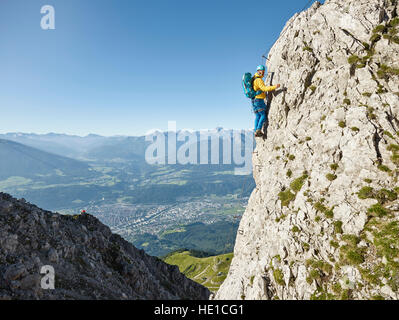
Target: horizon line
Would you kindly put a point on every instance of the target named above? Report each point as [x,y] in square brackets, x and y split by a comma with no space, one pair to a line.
[121,135]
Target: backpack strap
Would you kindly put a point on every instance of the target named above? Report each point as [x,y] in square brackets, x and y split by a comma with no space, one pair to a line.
[252,81]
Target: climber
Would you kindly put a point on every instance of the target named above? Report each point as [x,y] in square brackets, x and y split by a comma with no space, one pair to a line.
[83,212]
[258,103]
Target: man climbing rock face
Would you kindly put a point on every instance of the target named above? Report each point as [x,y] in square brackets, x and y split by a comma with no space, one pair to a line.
[258,103]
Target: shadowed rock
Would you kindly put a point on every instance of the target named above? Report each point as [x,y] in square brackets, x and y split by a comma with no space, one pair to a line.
[89,261]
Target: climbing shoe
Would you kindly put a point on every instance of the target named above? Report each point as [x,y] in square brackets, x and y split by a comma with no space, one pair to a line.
[258,133]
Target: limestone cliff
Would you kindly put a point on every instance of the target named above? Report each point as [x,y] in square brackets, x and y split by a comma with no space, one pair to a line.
[322,222]
[89,261]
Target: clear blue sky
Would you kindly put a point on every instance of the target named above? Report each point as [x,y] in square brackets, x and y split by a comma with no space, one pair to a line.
[123,67]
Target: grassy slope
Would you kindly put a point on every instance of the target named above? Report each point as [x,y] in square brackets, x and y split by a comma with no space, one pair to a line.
[209,271]
[214,238]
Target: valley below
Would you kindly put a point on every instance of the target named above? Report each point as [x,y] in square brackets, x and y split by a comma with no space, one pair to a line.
[158,208]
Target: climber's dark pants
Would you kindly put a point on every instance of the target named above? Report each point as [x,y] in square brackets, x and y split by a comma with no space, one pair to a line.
[259,108]
[260,118]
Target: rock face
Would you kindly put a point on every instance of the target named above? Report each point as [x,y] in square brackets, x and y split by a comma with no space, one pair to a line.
[89,261]
[322,222]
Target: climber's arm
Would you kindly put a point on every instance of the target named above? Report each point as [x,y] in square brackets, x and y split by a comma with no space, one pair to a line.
[260,85]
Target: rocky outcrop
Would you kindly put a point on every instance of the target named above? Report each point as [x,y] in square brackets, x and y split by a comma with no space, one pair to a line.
[322,222]
[89,261]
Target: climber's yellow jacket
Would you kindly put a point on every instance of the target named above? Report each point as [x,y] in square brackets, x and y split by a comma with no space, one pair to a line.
[259,85]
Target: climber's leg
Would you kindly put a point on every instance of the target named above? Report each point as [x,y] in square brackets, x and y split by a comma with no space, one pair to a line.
[261,119]
[257,118]
[259,109]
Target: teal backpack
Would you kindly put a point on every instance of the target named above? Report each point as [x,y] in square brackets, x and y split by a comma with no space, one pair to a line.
[247,82]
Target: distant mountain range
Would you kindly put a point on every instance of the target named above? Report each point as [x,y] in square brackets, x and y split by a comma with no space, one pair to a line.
[17,159]
[81,147]
[98,148]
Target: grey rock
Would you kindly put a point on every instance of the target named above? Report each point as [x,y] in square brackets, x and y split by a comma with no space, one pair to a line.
[14,284]
[340,106]
[14,272]
[88,260]
[8,242]
[31,282]
[52,255]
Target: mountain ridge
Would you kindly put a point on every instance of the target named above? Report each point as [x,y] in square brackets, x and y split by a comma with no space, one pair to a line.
[89,261]
[21,160]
